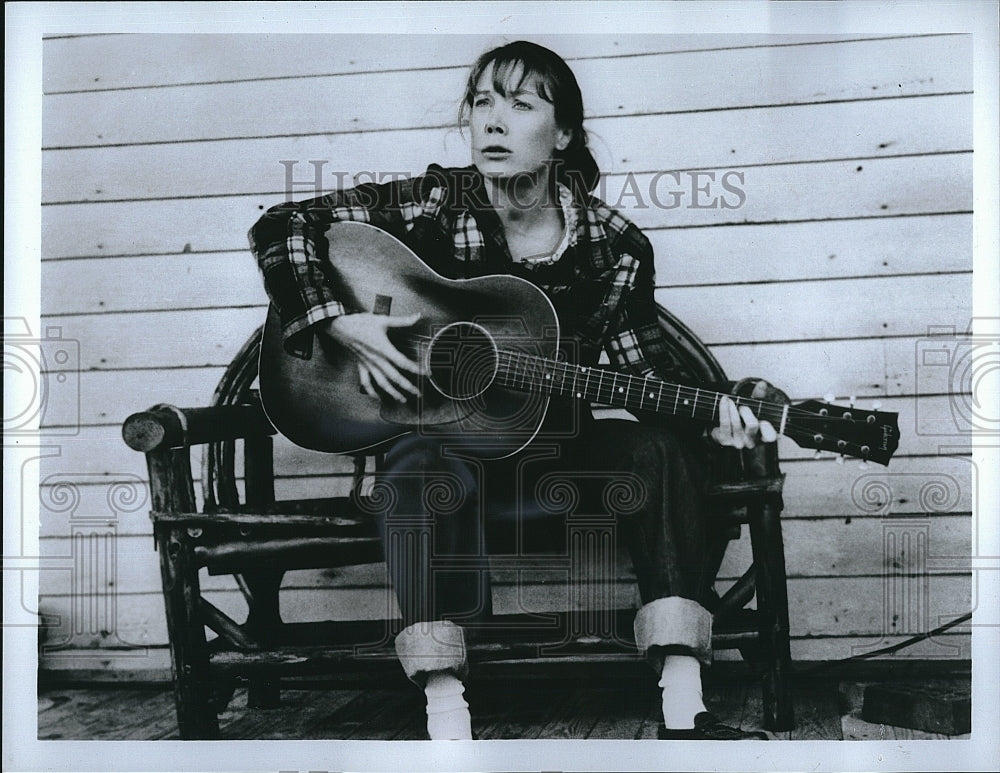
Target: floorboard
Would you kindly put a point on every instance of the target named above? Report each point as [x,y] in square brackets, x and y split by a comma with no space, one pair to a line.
[395,711]
[827,707]
[817,710]
[125,714]
[579,717]
[306,714]
[622,712]
[530,707]
[753,717]
[728,700]
[361,715]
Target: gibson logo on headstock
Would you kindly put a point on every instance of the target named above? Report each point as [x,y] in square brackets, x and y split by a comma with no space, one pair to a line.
[886,434]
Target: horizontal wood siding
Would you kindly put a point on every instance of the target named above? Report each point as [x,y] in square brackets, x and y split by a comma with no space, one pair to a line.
[805,191]
[99,450]
[809,199]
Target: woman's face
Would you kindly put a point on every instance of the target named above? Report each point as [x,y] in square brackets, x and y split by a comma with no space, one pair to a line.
[513,134]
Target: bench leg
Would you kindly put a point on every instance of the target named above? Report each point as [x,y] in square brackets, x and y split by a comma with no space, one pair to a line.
[193,693]
[772,610]
[263,622]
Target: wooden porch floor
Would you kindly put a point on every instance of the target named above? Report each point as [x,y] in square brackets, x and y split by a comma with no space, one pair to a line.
[827,708]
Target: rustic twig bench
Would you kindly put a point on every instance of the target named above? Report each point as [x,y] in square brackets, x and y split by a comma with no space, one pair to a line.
[258,539]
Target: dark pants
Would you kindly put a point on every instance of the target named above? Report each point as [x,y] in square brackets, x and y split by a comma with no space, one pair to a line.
[448,512]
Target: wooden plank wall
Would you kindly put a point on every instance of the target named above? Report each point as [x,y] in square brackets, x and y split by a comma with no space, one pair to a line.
[850,234]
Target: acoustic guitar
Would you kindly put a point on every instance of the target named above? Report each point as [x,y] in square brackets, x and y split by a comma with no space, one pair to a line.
[490,347]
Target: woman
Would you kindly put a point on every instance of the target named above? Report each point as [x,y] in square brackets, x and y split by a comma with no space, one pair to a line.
[523,207]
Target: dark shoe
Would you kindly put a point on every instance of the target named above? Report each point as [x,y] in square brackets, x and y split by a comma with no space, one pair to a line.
[708,728]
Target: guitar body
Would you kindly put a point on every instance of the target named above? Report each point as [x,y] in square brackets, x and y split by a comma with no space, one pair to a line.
[318,403]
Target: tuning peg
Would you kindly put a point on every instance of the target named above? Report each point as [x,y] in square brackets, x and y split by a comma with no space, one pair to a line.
[817,454]
[840,459]
[830,397]
[862,465]
[876,405]
[852,399]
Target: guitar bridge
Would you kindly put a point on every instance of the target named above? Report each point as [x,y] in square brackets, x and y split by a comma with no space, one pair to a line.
[383,303]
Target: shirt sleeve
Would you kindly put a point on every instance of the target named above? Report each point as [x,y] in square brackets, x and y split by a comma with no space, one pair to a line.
[292,252]
[635,343]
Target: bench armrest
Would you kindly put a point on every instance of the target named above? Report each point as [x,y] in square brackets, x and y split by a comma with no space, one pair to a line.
[164,426]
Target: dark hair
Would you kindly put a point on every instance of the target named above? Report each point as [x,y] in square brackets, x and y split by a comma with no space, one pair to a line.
[575,166]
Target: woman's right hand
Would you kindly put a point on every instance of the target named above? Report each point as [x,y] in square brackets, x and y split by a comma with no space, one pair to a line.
[380,363]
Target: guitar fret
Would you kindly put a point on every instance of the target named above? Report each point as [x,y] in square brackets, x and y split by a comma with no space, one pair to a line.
[526,372]
[520,371]
[646,393]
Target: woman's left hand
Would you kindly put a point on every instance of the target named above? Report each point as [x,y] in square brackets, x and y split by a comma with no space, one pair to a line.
[740,427]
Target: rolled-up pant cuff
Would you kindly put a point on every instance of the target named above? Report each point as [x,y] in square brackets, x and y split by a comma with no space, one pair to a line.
[673,625]
[432,646]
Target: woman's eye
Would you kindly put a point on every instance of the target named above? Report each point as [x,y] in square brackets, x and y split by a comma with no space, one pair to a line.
[481,102]
[520,105]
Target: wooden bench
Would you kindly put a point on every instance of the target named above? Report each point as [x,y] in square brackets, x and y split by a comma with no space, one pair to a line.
[258,539]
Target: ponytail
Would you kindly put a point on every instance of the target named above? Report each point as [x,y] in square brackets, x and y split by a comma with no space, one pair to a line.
[577,169]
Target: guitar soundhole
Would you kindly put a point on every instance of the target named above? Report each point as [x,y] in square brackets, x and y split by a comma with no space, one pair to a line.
[462,361]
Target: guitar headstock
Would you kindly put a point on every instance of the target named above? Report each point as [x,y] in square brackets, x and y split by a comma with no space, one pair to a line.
[872,436]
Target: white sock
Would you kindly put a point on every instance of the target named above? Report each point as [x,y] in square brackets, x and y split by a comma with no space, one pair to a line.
[682,698]
[447,712]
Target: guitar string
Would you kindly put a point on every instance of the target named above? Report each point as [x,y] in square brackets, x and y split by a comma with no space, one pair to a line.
[522,364]
[704,402]
[523,371]
[704,399]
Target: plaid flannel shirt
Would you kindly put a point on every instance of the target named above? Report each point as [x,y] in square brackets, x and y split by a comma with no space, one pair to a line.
[601,287]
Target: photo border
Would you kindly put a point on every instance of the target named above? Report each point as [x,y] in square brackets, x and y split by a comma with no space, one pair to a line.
[27,22]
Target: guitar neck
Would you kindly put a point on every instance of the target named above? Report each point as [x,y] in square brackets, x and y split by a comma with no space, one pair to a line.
[528,373]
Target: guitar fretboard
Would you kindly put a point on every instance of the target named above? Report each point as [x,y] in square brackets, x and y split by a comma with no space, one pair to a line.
[529,373]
